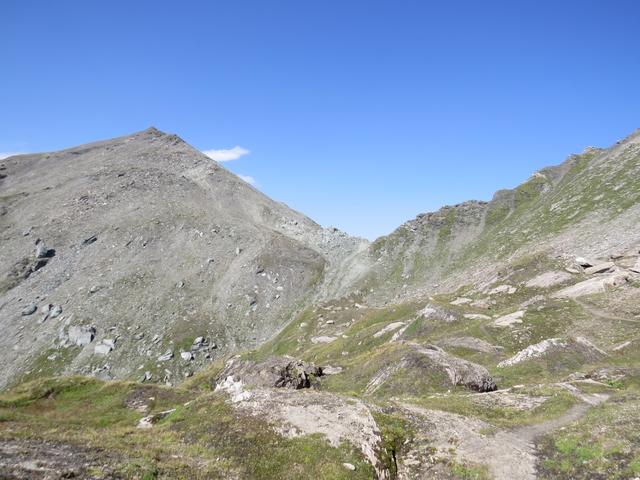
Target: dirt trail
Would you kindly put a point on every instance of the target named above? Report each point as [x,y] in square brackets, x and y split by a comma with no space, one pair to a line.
[508,454]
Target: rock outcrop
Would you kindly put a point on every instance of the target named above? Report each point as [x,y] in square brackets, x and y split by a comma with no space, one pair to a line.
[275,372]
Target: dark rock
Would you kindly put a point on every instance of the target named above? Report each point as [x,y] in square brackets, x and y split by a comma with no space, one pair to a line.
[90,240]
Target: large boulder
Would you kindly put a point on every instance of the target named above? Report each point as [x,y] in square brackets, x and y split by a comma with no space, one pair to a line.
[278,372]
[81,335]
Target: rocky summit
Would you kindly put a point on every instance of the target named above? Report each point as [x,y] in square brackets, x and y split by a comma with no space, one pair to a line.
[162,318]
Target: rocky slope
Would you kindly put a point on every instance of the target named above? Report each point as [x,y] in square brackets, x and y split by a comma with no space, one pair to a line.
[589,205]
[487,340]
[148,244]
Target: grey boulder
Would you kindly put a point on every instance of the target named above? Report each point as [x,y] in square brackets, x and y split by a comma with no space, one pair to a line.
[30,309]
[81,335]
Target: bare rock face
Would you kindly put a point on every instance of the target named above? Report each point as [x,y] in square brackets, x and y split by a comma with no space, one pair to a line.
[278,372]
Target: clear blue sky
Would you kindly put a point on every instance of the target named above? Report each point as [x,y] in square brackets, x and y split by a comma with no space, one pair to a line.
[360,114]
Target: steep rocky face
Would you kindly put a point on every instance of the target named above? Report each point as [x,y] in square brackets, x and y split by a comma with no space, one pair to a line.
[149,244]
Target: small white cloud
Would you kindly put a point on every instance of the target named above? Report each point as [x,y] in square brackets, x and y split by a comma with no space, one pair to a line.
[4,155]
[226,154]
[248,179]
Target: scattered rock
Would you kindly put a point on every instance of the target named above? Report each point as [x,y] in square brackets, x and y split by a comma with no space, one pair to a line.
[481,303]
[90,240]
[55,311]
[201,344]
[510,319]
[81,335]
[476,316]
[461,301]
[148,421]
[533,301]
[146,377]
[186,356]
[583,262]
[235,389]
[549,279]
[636,267]
[621,346]
[323,339]
[349,466]
[438,313]
[30,309]
[168,355]
[329,370]
[500,289]
[41,249]
[600,268]
[102,349]
[389,328]
[471,343]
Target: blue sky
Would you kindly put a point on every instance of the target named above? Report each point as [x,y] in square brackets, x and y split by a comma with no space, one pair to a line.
[361,114]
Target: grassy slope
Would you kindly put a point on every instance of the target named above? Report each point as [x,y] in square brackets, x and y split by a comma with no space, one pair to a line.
[544,206]
[205,438]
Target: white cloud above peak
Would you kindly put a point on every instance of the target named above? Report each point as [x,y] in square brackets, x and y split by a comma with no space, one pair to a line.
[247,178]
[226,154]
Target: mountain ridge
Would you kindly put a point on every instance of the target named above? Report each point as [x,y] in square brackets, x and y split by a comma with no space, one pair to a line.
[161,318]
